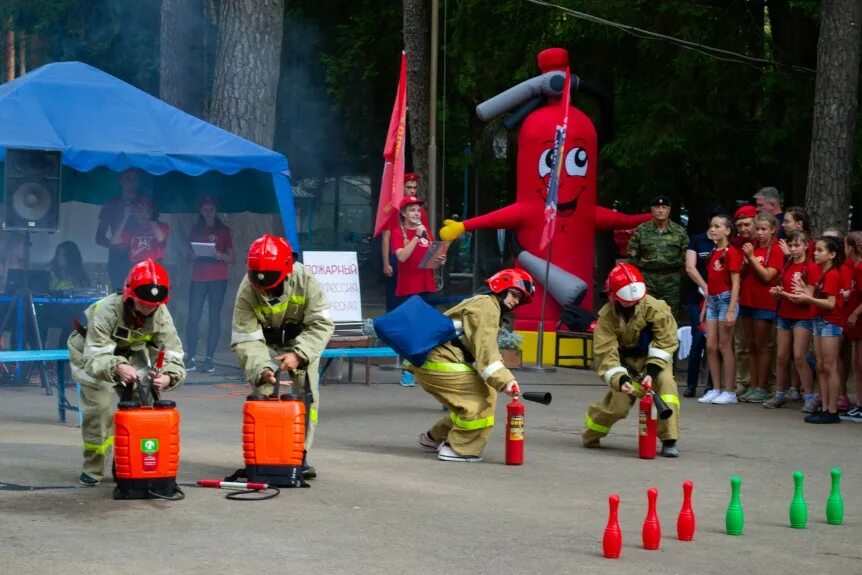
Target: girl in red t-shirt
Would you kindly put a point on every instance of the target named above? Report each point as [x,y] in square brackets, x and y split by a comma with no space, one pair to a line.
[209,283]
[719,313]
[853,327]
[795,321]
[844,356]
[410,244]
[826,299]
[762,262]
[796,220]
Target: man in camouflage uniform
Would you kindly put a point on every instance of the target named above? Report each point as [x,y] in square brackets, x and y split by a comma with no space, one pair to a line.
[657,248]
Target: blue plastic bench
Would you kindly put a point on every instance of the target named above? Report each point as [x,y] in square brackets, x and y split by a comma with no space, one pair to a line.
[60,356]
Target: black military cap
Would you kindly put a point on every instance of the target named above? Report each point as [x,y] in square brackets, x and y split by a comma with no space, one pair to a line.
[661,200]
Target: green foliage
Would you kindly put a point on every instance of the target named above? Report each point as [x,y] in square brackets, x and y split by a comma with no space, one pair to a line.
[509,340]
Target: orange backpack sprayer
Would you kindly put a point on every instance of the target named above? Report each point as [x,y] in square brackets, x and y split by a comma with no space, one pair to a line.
[273,440]
[515,412]
[147,444]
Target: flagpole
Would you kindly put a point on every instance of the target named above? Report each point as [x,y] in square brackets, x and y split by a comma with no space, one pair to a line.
[540,347]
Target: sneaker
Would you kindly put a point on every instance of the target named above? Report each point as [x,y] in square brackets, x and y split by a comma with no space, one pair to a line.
[725,398]
[190,364]
[775,401]
[823,417]
[757,396]
[407,379]
[709,396]
[844,404]
[741,390]
[793,395]
[810,406]
[669,448]
[854,415]
[446,453]
[88,481]
[429,444]
[207,365]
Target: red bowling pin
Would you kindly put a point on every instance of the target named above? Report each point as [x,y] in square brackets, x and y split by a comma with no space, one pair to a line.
[652,528]
[612,542]
[685,523]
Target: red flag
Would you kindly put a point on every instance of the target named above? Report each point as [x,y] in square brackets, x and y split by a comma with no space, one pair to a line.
[392,187]
[556,165]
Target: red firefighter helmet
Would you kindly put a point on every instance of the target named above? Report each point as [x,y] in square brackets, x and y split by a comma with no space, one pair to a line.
[270,260]
[512,279]
[626,284]
[148,283]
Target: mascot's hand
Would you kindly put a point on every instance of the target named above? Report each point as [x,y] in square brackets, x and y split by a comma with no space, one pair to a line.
[451,230]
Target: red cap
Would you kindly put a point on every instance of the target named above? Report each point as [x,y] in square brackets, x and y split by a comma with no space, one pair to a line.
[745,212]
[411,177]
[409,201]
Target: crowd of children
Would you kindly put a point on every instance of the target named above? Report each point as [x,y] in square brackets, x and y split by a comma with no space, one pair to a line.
[801,293]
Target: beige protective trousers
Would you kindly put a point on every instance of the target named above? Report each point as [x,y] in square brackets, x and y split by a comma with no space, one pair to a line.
[615,405]
[471,404]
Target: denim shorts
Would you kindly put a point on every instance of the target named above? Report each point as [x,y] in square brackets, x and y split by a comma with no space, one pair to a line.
[787,324]
[823,328]
[717,306]
[755,313]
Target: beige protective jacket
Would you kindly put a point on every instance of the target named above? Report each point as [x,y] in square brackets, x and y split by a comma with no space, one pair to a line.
[302,302]
[479,319]
[613,333]
[110,340]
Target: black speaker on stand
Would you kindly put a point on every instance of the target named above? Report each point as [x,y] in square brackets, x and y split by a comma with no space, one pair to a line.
[31,203]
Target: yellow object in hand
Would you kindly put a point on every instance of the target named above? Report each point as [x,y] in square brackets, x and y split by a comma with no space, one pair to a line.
[451,230]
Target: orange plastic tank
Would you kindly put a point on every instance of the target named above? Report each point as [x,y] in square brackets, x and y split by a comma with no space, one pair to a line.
[146,449]
[273,438]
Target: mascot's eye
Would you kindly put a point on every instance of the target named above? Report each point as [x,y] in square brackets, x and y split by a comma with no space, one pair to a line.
[545,162]
[577,162]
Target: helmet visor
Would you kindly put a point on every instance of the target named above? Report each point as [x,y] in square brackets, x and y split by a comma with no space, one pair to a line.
[151,293]
[263,279]
[526,286]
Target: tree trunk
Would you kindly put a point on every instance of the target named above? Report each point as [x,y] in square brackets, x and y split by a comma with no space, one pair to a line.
[181,60]
[417,44]
[835,104]
[247,68]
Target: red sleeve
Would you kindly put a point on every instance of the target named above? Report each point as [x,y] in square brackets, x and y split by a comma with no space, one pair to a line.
[734,260]
[857,276]
[775,258]
[396,240]
[831,283]
[814,273]
[846,275]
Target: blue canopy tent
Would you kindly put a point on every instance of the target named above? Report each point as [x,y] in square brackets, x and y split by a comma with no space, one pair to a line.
[98,121]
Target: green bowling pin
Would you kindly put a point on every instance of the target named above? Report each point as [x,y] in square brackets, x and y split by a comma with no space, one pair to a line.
[798,507]
[734,519]
[835,505]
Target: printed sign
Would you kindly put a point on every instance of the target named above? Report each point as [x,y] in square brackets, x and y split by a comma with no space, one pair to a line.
[338,275]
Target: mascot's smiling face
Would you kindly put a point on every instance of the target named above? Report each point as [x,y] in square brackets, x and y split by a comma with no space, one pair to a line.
[578,169]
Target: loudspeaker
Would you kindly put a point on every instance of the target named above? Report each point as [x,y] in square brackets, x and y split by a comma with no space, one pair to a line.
[32,190]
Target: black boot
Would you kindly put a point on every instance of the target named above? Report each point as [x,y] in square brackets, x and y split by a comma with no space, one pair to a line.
[689,392]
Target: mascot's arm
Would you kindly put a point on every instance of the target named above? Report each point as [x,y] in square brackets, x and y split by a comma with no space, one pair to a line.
[610,220]
[509,218]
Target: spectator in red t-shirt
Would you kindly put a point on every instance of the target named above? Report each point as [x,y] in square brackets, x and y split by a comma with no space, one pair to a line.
[795,322]
[828,324]
[390,262]
[853,329]
[112,218]
[720,310]
[209,282]
[762,262]
[142,233]
[410,243]
[796,220]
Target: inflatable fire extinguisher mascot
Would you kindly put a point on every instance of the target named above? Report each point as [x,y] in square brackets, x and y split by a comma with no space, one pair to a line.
[578,217]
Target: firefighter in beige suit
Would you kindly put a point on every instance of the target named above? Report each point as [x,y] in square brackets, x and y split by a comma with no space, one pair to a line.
[117,348]
[281,311]
[635,330]
[466,374]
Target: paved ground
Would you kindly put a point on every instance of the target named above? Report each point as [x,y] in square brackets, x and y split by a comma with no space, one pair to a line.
[383,506]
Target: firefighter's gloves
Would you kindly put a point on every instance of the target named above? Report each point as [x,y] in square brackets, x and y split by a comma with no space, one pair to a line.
[625,384]
[512,389]
[289,361]
[125,373]
[451,230]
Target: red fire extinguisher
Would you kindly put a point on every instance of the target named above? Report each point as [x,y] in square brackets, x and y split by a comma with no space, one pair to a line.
[515,430]
[647,433]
